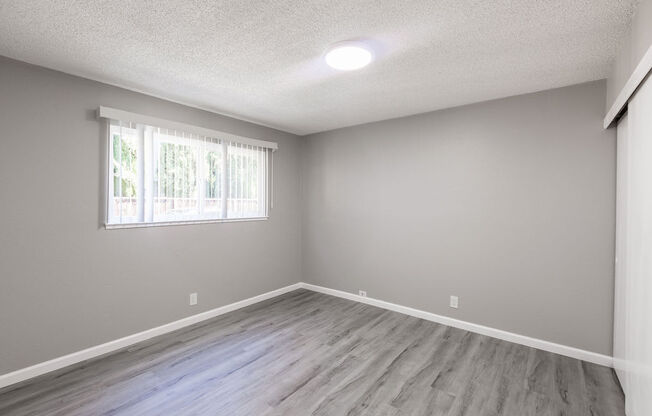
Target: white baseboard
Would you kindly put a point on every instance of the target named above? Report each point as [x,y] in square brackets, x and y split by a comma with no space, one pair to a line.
[573,352]
[92,352]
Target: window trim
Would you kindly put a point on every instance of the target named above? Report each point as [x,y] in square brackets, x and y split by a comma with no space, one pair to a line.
[180,222]
[126,116]
[108,114]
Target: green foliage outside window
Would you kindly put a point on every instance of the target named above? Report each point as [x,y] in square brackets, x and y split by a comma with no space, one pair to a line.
[177,172]
[213,176]
[124,167]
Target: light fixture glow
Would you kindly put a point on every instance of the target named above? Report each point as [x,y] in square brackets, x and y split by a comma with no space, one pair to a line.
[349,55]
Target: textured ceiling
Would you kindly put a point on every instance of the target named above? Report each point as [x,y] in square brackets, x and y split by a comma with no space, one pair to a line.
[261,60]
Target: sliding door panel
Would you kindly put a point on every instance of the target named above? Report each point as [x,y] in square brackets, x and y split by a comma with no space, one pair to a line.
[638,262]
[620,293]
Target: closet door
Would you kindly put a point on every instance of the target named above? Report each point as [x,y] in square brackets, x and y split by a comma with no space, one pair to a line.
[620,293]
[638,264]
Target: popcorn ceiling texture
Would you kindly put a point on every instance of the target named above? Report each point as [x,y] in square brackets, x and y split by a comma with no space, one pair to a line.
[261,60]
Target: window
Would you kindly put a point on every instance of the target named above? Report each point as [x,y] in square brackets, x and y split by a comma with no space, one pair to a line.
[164,172]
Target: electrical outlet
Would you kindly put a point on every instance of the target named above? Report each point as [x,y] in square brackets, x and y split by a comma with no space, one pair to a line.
[455,302]
[193,299]
[362,293]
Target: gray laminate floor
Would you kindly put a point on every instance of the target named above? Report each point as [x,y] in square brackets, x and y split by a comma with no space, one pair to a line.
[305,353]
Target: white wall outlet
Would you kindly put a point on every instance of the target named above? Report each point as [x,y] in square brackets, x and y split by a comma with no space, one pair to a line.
[193,299]
[455,302]
[362,293]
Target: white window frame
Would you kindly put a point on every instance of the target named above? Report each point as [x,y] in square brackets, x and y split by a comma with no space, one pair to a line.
[156,143]
[110,185]
[145,125]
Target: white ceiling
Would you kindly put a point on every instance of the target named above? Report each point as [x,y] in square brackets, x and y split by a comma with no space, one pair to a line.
[261,60]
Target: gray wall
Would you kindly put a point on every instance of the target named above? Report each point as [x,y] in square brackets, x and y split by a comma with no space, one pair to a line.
[508,204]
[66,283]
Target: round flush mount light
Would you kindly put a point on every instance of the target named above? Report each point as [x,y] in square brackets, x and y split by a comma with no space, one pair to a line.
[348,55]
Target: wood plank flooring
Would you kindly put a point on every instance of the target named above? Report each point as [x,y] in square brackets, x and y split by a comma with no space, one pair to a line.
[305,353]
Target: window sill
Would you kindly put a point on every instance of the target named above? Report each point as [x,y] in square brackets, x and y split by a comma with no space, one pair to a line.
[172,223]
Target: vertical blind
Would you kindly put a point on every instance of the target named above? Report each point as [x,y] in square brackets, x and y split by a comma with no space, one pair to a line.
[177,173]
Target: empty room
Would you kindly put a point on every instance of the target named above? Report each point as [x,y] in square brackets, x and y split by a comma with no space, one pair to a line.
[326,208]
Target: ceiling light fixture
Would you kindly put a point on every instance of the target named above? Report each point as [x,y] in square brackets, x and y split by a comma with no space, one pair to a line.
[348,55]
